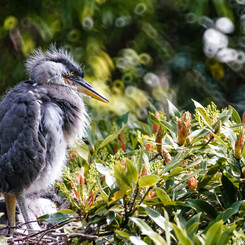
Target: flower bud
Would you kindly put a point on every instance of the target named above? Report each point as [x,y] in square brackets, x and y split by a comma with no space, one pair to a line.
[192,183]
[183,127]
[238,146]
[158,140]
[73,155]
[80,177]
[91,198]
[243,117]
[148,147]
[166,156]
[156,127]
[150,194]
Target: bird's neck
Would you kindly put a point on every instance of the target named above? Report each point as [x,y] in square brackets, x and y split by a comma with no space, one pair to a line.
[75,117]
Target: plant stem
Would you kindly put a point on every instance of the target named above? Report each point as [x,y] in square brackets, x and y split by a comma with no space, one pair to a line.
[135,195]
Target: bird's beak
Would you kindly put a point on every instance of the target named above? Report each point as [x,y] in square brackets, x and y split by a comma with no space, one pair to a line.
[86,88]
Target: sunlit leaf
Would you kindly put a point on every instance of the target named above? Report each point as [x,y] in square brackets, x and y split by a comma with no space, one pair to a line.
[173,111]
[182,237]
[122,234]
[124,181]
[83,152]
[176,161]
[206,178]
[148,180]
[136,240]
[131,171]
[147,230]
[104,195]
[117,195]
[226,235]
[61,215]
[192,225]
[213,233]
[163,196]
[202,112]
[103,169]
[156,217]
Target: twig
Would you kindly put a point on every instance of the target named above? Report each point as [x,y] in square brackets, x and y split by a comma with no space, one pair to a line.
[207,142]
[86,236]
[125,206]
[135,195]
[154,157]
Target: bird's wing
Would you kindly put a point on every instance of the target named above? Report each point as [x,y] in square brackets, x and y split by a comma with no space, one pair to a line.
[22,147]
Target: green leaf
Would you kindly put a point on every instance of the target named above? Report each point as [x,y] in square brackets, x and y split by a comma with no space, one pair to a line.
[122,234]
[206,178]
[183,239]
[173,111]
[103,169]
[163,196]
[168,127]
[226,235]
[197,240]
[225,215]
[177,160]
[165,126]
[224,116]
[104,195]
[60,216]
[147,230]
[203,206]
[231,136]
[202,112]
[218,138]
[83,152]
[122,120]
[156,217]
[123,181]
[192,225]
[116,196]
[136,240]
[67,211]
[198,134]
[131,171]
[213,233]
[107,140]
[228,191]
[232,210]
[148,180]
[107,171]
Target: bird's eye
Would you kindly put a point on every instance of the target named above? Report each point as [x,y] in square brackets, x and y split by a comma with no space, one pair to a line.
[72,73]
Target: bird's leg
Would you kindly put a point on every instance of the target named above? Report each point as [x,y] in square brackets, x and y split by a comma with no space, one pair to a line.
[24,211]
[10,201]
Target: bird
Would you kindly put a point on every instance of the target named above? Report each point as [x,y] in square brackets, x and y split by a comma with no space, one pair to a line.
[39,119]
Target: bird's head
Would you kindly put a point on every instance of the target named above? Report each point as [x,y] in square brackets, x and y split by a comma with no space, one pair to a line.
[57,66]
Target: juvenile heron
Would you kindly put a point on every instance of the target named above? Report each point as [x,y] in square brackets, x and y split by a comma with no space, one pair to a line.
[38,119]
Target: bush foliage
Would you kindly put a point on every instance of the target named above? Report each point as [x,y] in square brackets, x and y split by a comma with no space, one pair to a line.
[169,181]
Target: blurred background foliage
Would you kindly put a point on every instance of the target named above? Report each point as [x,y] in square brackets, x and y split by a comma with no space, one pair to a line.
[138,53]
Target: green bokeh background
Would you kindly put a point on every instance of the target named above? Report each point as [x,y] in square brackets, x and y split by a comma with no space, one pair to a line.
[119,42]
